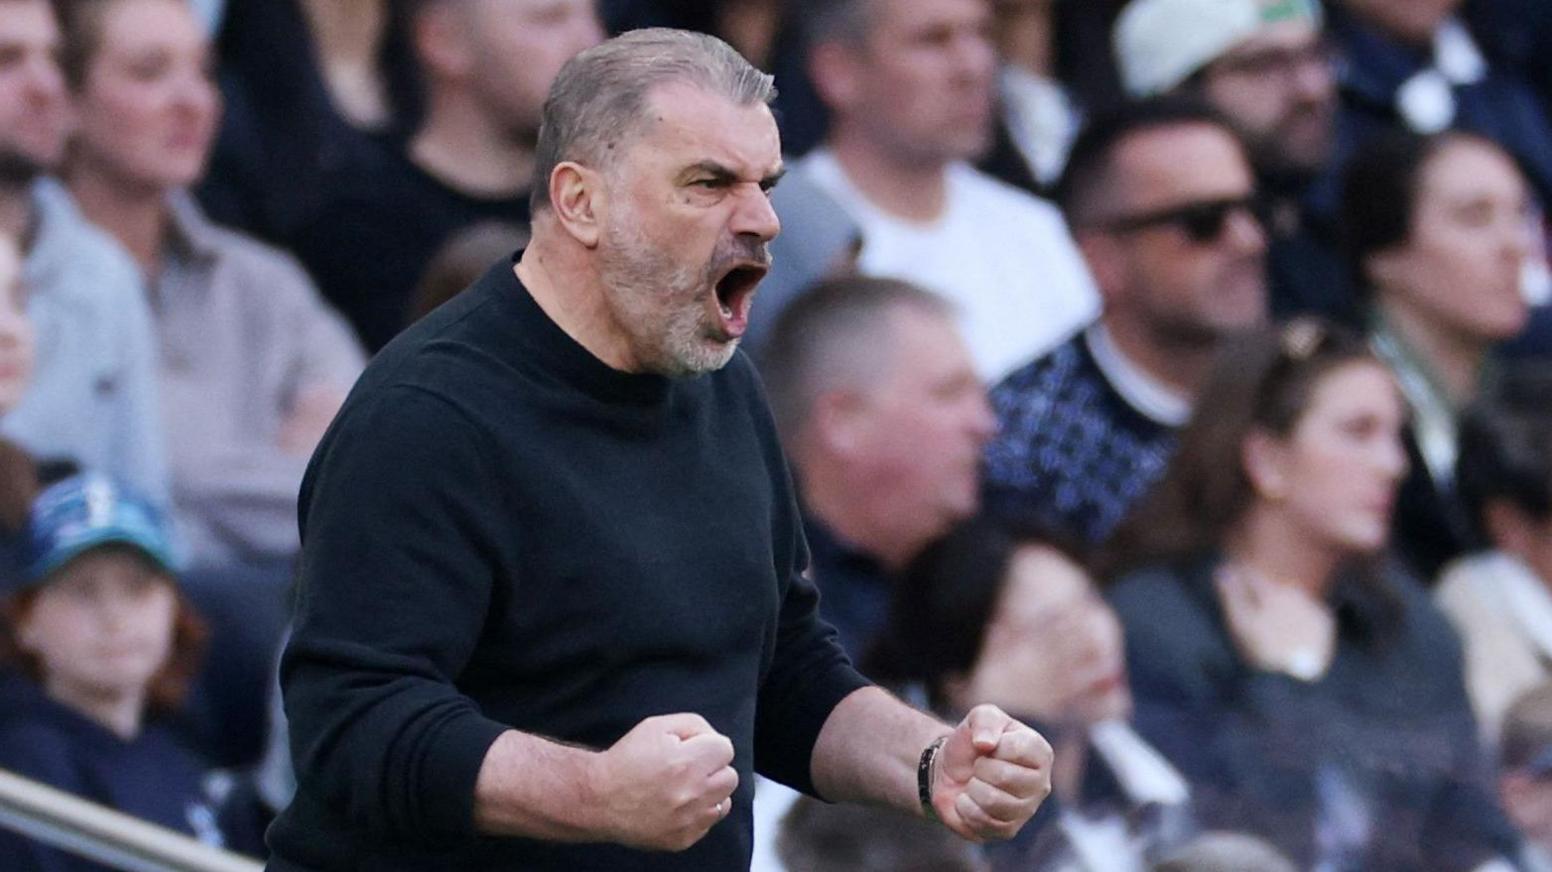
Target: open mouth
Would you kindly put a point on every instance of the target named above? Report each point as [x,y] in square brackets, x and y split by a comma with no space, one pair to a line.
[734,291]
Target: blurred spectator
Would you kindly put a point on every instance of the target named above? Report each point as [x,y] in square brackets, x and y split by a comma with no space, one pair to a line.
[910,87]
[487,66]
[1084,49]
[1501,600]
[93,396]
[101,644]
[1225,852]
[1307,688]
[465,257]
[252,366]
[1266,66]
[818,240]
[753,27]
[1437,235]
[820,837]
[1160,198]
[1525,775]
[311,88]
[982,617]
[883,420]
[1416,65]
[1038,120]
[767,32]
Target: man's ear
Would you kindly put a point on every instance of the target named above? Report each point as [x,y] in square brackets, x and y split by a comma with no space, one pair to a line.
[1106,260]
[837,420]
[26,635]
[833,70]
[578,199]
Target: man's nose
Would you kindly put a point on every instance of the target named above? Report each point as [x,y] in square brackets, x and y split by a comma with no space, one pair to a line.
[755,215]
[45,80]
[1247,232]
[982,421]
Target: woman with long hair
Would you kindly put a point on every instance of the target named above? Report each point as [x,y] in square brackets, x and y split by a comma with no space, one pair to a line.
[1303,683]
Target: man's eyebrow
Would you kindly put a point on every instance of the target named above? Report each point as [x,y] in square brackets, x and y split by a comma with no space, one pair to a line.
[726,175]
[717,171]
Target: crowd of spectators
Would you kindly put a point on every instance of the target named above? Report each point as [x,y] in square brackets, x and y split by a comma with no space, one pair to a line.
[1171,373]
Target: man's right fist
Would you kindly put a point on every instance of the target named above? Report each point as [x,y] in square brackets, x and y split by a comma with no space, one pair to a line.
[664,784]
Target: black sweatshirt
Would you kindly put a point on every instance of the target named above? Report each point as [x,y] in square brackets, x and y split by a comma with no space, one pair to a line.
[501,531]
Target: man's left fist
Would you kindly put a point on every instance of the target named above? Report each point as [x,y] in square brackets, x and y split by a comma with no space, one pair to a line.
[990,775]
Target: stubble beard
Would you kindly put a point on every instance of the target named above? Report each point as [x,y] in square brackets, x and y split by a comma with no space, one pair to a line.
[659,305]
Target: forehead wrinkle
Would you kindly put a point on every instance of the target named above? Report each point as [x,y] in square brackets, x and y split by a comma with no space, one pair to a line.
[708,148]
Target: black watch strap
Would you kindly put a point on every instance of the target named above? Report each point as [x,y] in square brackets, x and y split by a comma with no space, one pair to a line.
[924,772]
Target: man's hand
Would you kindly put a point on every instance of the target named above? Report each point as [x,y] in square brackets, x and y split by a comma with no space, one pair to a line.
[664,784]
[990,776]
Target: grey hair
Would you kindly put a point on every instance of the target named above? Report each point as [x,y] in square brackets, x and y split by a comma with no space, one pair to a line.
[836,336]
[598,102]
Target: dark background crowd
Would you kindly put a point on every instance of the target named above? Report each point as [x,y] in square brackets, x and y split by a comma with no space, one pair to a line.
[1167,372]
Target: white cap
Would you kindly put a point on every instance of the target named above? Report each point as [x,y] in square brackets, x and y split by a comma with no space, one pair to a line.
[1161,43]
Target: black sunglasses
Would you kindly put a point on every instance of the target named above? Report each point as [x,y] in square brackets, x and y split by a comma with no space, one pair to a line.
[1201,222]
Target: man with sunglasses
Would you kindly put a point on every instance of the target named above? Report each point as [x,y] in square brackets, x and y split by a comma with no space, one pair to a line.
[1161,199]
[1269,68]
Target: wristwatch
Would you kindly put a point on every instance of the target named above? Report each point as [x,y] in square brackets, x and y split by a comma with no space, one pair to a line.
[925,769]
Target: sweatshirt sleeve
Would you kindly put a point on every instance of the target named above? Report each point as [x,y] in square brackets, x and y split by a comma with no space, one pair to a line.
[400,549]
[809,675]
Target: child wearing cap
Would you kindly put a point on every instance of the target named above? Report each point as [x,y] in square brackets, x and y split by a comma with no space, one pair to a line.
[98,642]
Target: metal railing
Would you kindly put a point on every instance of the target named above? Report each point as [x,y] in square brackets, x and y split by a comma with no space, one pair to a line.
[98,833]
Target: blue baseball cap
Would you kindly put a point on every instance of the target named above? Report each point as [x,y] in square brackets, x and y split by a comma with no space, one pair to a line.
[88,511]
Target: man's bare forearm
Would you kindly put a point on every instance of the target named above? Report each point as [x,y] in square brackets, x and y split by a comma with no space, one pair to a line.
[869,748]
[661,786]
[534,787]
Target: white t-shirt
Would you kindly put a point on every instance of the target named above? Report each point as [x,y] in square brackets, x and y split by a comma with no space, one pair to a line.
[1003,257]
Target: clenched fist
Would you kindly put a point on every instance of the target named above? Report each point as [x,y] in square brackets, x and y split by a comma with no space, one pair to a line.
[664,784]
[990,776]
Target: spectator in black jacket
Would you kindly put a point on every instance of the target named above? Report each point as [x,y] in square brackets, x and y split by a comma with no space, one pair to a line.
[1438,230]
[486,68]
